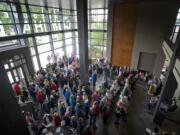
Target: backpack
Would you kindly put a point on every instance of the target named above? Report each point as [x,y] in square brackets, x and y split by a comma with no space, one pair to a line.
[151,90]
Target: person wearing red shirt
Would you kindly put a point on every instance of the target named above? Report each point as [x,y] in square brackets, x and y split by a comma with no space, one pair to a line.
[40,98]
[54,86]
[56,119]
[16,89]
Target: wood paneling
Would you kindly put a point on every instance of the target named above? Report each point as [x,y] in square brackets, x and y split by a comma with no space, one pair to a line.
[124,26]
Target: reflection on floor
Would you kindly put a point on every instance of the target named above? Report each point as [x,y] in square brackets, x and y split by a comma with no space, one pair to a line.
[172,122]
[138,119]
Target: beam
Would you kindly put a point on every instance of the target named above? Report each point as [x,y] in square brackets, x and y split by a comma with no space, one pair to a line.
[110,30]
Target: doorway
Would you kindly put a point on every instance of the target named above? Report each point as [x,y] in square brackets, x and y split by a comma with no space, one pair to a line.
[16,70]
[146,61]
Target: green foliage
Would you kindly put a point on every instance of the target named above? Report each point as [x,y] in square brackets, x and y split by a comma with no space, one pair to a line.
[97,25]
[30,40]
[4,6]
[97,38]
[5,19]
[95,52]
[23,8]
[96,46]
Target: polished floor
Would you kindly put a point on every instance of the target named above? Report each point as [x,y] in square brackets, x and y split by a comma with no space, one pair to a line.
[137,118]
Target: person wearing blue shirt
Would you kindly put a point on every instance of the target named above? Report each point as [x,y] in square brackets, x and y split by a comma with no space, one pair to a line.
[94,78]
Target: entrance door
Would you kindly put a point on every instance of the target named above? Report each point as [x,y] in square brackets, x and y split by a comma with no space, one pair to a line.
[17,70]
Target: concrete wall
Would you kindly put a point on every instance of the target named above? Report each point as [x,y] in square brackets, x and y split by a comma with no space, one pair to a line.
[153,22]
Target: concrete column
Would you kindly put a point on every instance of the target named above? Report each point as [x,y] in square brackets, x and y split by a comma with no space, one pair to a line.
[11,120]
[73,27]
[169,86]
[109,30]
[83,38]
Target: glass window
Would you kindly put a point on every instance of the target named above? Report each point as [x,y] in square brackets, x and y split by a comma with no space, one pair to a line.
[59,52]
[32,50]
[67,25]
[68,34]
[7,30]
[4,6]
[16,75]
[36,9]
[77,47]
[99,35]
[35,63]
[30,42]
[42,39]
[9,42]
[69,49]
[6,18]
[44,58]
[10,77]
[57,37]
[97,25]
[56,26]
[57,44]
[44,48]
[40,28]
[68,41]
[38,18]
[6,66]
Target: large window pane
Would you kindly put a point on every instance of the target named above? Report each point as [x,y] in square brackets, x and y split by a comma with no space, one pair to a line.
[42,39]
[43,58]
[68,41]
[59,52]
[40,28]
[32,50]
[68,34]
[97,35]
[35,63]
[69,50]
[4,6]
[10,42]
[56,26]
[57,44]
[57,37]
[7,30]
[10,77]
[6,18]
[44,48]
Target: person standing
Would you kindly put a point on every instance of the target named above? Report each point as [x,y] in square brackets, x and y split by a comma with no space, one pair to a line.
[94,78]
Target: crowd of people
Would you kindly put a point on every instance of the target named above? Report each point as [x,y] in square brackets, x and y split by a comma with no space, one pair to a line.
[66,104]
[154,87]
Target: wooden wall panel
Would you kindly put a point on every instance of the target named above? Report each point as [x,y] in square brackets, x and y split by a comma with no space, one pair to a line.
[124,26]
